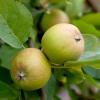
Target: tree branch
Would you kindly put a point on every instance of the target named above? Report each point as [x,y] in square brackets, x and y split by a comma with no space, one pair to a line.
[43,94]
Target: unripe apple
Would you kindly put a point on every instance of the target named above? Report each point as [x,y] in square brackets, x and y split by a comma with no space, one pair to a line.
[52,17]
[62,42]
[30,69]
[39,3]
[57,2]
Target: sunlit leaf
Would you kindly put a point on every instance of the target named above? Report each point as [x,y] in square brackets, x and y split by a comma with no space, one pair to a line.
[86,28]
[7,35]
[18,18]
[92,18]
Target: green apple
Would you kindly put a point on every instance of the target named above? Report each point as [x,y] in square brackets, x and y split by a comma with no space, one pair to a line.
[52,17]
[57,2]
[39,3]
[62,42]
[30,69]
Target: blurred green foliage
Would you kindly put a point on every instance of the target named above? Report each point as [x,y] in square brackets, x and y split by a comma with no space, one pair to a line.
[20,21]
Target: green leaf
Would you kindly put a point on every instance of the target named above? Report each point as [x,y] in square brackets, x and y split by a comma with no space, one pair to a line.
[33,95]
[91,46]
[92,49]
[92,81]
[6,55]
[72,94]
[56,98]
[92,18]
[7,35]
[75,76]
[7,92]
[86,28]
[18,18]
[5,78]
[50,88]
[74,8]
[93,72]
[26,2]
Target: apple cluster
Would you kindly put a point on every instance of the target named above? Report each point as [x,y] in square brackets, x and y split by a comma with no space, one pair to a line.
[61,42]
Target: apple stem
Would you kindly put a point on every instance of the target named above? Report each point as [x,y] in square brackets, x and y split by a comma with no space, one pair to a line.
[31,44]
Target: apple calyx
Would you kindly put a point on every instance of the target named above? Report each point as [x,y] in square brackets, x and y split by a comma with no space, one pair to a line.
[20,75]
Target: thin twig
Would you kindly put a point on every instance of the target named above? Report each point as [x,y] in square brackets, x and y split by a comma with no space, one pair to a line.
[31,44]
[94,4]
[43,94]
[22,95]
